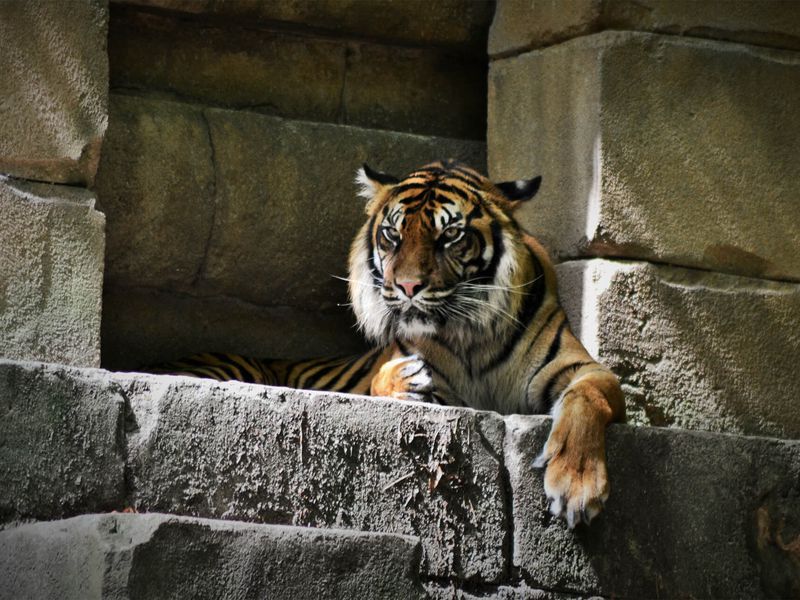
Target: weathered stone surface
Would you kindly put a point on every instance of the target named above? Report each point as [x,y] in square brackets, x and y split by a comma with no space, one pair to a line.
[519,25]
[287,457]
[62,446]
[457,24]
[144,326]
[691,515]
[227,205]
[156,186]
[694,349]
[160,556]
[415,90]
[51,273]
[355,82]
[694,165]
[53,90]
[231,65]
[519,591]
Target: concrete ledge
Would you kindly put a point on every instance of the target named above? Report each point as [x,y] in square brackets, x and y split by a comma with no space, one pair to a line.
[694,349]
[691,515]
[51,273]
[62,442]
[326,460]
[520,25]
[54,89]
[692,166]
[161,556]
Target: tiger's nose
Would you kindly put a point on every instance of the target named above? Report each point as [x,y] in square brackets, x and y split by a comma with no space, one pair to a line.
[410,287]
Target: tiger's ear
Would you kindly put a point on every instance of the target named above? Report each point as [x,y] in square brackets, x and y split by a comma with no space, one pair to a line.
[371,182]
[519,191]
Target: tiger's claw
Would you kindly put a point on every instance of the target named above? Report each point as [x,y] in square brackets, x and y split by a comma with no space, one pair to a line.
[404,378]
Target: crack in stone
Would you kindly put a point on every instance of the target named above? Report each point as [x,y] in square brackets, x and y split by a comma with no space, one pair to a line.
[201,268]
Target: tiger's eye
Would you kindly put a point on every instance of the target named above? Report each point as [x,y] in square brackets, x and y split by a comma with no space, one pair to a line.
[451,234]
[391,234]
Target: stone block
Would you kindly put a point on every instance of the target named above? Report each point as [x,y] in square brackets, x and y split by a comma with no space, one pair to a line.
[520,25]
[240,207]
[355,82]
[54,89]
[691,515]
[51,273]
[143,326]
[456,24]
[694,349]
[694,165]
[283,456]
[156,185]
[415,90]
[227,64]
[130,556]
[62,442]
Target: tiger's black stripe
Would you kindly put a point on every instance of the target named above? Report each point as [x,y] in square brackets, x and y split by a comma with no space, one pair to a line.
[553,380]
[531,304]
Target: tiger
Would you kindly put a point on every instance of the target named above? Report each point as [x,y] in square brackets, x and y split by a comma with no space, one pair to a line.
[461,305]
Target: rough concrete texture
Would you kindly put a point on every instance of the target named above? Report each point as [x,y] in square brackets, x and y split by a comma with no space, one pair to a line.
[54,88]
[159,556]
[694,349]
[225,204]
[62,445]
[355,82]
[282,456]
[691,515]
[520,25]
[51,273]
[517,591]
[456,24]
[145,326]
[694,165]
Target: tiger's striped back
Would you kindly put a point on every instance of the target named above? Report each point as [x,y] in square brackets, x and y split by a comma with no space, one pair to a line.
[351,374]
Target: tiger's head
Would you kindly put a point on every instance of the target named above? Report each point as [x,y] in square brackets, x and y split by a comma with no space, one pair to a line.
[440,249]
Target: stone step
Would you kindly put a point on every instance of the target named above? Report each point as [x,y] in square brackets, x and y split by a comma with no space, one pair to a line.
[694,349]
[693,165]
[691,514]
[140,556]
[265,195]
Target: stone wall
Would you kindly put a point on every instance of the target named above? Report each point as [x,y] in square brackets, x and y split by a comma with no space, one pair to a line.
[672,141]
[53,115]
[227,174]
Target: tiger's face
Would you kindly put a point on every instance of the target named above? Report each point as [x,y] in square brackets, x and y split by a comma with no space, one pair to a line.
[434,248]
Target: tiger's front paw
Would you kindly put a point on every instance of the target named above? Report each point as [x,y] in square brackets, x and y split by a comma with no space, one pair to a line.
[404,378]
[576,477]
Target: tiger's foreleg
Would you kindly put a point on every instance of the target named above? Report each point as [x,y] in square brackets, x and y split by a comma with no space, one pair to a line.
[576,477]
